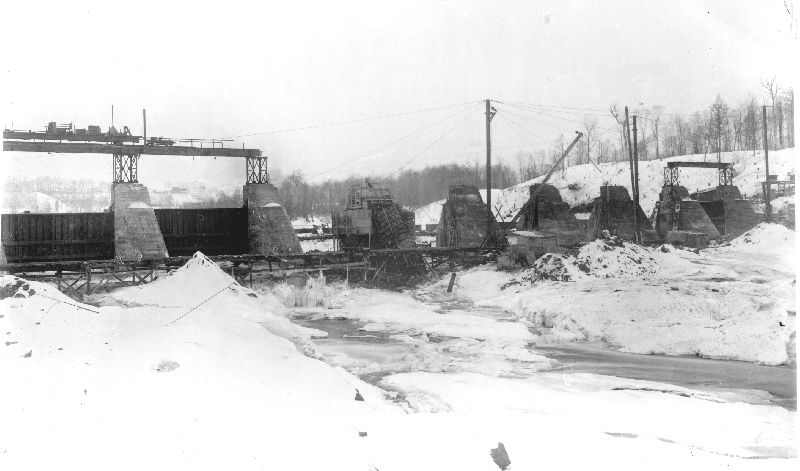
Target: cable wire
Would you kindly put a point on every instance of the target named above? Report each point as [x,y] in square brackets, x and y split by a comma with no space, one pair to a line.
[341,123]
[383,146]
[429,146]
[192,309]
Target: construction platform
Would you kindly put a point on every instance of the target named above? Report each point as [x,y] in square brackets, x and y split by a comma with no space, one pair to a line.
[82,277]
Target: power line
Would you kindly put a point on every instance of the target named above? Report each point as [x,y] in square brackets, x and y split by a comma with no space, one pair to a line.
[519,128]
[449,156]
[383,146]
[534,120]
[340,123]
[540,112]
[549,106]
[431,145]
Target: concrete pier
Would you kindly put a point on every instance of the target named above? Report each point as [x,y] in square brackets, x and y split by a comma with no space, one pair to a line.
[269,227]
[137,235]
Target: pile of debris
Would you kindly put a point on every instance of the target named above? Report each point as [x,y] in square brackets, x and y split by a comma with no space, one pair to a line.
[602,258]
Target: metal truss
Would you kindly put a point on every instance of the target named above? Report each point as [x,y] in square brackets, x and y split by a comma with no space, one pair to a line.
[126,168]
[672,176]
[726,176]
[257,170]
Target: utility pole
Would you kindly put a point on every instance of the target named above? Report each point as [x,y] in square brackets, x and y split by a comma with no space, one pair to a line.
[490,112]
[768,193]
[637,235]
[144,123]
[633,171]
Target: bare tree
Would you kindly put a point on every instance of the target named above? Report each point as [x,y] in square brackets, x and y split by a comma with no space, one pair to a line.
[619,117]
[590,132]
[655,121]
[772,87]
[788,100]
[719,121]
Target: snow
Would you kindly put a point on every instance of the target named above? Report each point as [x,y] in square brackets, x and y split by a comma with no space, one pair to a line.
[782,204]
[537,425]
[321,245]
[200,280]
[272,205]
[40,202]
[601,259]
[214,390]
[139,205]
[580,184]
[720,303]
[311,222]
[394,312]
[199,372]
[765,237]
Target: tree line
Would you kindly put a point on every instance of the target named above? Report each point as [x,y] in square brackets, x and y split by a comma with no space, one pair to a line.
[720,127]
[662,133]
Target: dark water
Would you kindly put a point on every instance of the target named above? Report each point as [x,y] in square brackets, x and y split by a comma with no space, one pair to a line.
[687,371]
[592,357]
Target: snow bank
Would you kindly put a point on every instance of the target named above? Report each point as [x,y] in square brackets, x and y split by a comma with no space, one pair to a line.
[765,237]
[574,421]
[717,304]
[716,321]
[201,284]
[213,390]
[600,259]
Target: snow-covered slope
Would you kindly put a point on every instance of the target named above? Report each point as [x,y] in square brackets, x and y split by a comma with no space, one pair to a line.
[729,302]
[173,384]
[581,183]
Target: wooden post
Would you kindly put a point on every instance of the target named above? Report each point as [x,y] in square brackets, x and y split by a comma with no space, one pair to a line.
[88,279]
[630,161]
[636,234]
[452,281]
[767,195]
[489,214]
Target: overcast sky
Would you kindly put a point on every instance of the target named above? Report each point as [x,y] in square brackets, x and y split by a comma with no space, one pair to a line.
[254,72]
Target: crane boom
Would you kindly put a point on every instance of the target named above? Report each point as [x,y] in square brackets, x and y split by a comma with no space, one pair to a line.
[546,179]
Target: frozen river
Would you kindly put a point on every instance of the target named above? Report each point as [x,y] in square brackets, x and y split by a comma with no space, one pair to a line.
[754,383]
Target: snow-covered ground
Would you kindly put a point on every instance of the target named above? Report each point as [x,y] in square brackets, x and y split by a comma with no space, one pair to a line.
[311,222]
[321,245]
[581,183]
[195,371]
[145,382]
[731,302]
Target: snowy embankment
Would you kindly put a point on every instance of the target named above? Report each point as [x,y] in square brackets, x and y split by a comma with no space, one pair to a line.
[732,302]
[580,184]
[183,374]
[165,381]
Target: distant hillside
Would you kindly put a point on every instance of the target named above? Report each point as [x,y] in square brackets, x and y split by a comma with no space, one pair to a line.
[581,183]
